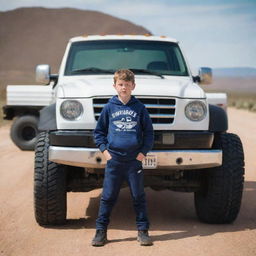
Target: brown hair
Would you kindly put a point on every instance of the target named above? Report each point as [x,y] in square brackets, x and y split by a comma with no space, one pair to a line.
[124,74]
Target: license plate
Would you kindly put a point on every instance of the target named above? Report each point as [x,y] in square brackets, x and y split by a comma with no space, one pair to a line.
[150,162]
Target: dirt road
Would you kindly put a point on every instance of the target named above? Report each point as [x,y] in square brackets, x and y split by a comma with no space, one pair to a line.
[174,225]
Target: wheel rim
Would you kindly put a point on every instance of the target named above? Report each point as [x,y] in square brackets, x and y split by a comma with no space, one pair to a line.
[28,133]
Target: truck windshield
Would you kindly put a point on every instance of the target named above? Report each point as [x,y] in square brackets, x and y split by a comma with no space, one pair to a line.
[107,56]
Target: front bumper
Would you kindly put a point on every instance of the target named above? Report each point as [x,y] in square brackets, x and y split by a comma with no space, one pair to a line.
[166,159]
[164,140]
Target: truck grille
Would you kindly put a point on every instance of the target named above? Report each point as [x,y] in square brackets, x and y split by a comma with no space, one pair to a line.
[161,111]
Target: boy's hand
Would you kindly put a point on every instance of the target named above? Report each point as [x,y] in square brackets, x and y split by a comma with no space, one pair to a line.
[140,157]
[107,155]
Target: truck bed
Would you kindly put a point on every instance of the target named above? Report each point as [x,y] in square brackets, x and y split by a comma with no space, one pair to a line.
[29,95]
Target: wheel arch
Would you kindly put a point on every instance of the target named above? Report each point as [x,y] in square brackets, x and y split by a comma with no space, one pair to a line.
[218,119]
[47,118]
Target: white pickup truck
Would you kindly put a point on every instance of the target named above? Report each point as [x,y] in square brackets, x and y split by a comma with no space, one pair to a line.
[25,101]
[192,150]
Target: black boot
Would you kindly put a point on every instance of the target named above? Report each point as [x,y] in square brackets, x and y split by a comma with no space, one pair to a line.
[144,238]
[100,238]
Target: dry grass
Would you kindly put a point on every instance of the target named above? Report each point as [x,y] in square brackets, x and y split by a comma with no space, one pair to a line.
[242,101]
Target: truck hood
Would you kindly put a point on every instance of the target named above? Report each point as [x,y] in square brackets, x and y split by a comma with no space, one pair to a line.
[85,87]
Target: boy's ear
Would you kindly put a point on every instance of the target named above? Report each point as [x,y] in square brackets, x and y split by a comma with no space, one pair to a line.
[133,86]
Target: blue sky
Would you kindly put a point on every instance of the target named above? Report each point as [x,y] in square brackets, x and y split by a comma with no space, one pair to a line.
[215,33]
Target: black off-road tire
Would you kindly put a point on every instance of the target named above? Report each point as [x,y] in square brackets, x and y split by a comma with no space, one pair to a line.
[50,196]
[24,131]
[219,199]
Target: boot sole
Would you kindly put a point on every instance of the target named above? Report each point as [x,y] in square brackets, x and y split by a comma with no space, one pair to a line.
[99,244]
[144,243]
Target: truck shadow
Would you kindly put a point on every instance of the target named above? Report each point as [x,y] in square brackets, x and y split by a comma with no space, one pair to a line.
[168,211]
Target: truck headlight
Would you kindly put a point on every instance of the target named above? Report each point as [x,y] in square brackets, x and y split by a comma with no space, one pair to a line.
[71,109]
[195,111]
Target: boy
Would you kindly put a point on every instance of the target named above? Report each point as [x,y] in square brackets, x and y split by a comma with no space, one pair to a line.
[124,134]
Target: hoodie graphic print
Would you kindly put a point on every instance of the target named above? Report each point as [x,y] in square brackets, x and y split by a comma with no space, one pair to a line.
[124,130]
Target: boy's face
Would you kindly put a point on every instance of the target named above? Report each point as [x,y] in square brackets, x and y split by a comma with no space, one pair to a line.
[124,88]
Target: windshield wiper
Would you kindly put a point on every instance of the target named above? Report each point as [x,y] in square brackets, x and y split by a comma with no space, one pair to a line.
[146,71]
[93,70]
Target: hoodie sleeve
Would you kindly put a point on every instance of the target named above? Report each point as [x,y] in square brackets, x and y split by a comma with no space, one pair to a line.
[101,130]
[148,133]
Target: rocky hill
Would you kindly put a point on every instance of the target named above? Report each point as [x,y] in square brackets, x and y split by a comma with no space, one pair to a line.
[31,36]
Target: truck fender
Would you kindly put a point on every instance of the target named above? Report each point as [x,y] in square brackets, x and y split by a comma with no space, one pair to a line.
[218,119]
[47,119]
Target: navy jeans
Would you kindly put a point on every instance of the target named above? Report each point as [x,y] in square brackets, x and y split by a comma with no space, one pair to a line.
[115,173]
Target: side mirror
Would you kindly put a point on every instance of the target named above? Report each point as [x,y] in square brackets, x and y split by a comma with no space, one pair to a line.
[205,75]
[43,73]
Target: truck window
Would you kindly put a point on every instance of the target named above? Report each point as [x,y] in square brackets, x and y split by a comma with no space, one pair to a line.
[163,57]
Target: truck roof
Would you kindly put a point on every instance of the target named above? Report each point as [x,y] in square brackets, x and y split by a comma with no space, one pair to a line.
[122,37]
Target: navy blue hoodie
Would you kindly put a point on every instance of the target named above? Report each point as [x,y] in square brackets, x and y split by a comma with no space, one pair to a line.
[124,130]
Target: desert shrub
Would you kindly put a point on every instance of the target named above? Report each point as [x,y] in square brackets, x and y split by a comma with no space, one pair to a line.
[253,109]
[239,104]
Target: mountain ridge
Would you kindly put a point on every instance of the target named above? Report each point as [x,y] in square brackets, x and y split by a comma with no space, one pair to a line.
[35,35]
